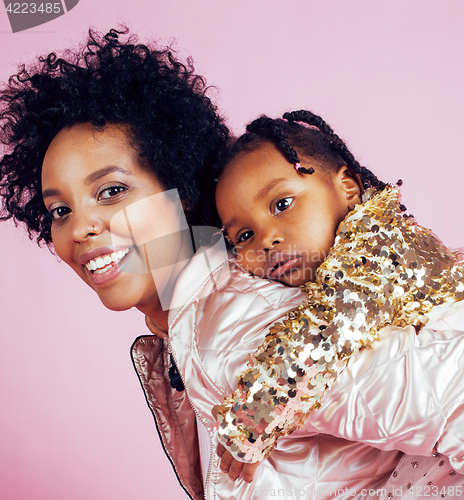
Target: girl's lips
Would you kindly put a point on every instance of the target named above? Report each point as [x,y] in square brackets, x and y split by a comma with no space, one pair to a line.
[284,265]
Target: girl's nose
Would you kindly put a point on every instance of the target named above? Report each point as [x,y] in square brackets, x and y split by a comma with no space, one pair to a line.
[270,240]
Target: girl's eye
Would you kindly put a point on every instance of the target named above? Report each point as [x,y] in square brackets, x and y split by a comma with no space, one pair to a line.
[111,192]
[246,235]
[59,213]
[282,205]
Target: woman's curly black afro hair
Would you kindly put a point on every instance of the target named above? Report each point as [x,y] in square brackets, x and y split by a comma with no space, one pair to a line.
[173,124]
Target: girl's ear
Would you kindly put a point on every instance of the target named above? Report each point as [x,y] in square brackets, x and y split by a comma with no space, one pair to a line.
[351,185]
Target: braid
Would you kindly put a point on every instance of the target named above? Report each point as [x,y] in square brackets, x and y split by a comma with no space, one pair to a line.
[270,129]
[317,141]
[368,178]
[310,118]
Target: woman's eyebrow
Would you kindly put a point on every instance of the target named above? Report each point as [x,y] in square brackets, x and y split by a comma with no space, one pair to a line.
[50,192]
[272,184]
[47,193]
[104,171]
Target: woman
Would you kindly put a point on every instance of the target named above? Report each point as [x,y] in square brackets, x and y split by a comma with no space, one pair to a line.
[100,148]
[99,132]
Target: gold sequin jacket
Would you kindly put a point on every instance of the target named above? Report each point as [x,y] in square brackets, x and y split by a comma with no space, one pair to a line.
[383,270]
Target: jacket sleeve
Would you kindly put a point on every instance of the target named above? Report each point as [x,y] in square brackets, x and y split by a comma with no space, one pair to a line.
[289,373]
[406,392]
[378,273]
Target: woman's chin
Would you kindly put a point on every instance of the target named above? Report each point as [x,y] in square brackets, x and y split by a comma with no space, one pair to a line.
[136,290]
[116,305]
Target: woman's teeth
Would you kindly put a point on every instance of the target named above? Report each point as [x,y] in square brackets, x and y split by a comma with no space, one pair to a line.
[101,263]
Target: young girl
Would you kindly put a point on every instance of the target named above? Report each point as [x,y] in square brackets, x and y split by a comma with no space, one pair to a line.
[291,203]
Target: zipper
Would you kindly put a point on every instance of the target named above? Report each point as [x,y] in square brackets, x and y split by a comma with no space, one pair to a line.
[208,473]
[171,353]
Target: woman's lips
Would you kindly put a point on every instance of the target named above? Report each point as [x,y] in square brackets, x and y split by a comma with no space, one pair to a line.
[108,269]
[84,258]
[98,279]
[102,261]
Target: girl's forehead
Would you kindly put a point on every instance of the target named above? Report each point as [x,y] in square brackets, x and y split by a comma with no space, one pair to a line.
[266,163]
[252,165]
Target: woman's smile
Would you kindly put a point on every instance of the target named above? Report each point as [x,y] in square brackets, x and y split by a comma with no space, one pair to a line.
[103,258]
[104,265]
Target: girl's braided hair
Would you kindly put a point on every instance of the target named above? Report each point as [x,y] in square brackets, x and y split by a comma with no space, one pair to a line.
[174,126]
[300,132]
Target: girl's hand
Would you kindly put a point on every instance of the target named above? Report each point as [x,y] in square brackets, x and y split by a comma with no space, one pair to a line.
[155,328]
[230,465]
[233,467]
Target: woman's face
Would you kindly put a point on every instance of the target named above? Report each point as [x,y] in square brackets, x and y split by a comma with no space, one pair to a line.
[99,196]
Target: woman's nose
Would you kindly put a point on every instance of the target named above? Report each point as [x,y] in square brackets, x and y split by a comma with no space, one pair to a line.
[85,226]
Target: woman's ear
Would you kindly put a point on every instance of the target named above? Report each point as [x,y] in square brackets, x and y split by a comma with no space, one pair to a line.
[351,186]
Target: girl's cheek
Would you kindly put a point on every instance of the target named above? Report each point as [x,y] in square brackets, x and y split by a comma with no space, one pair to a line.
[239,257]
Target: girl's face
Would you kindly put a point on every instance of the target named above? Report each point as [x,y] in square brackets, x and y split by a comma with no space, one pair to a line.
[89,176]
[281,222]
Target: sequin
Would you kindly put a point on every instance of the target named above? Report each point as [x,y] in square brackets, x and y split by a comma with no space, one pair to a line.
[395,473]
[383,269]
[441,463]
[414,465]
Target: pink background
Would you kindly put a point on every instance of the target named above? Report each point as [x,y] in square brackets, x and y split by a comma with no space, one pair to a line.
[387,75]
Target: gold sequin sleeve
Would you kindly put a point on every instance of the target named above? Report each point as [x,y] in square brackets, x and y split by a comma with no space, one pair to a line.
[384,269]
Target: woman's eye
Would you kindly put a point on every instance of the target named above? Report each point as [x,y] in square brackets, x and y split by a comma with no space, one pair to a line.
[282,205]
[59,212]
[111,192]
[246,235]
